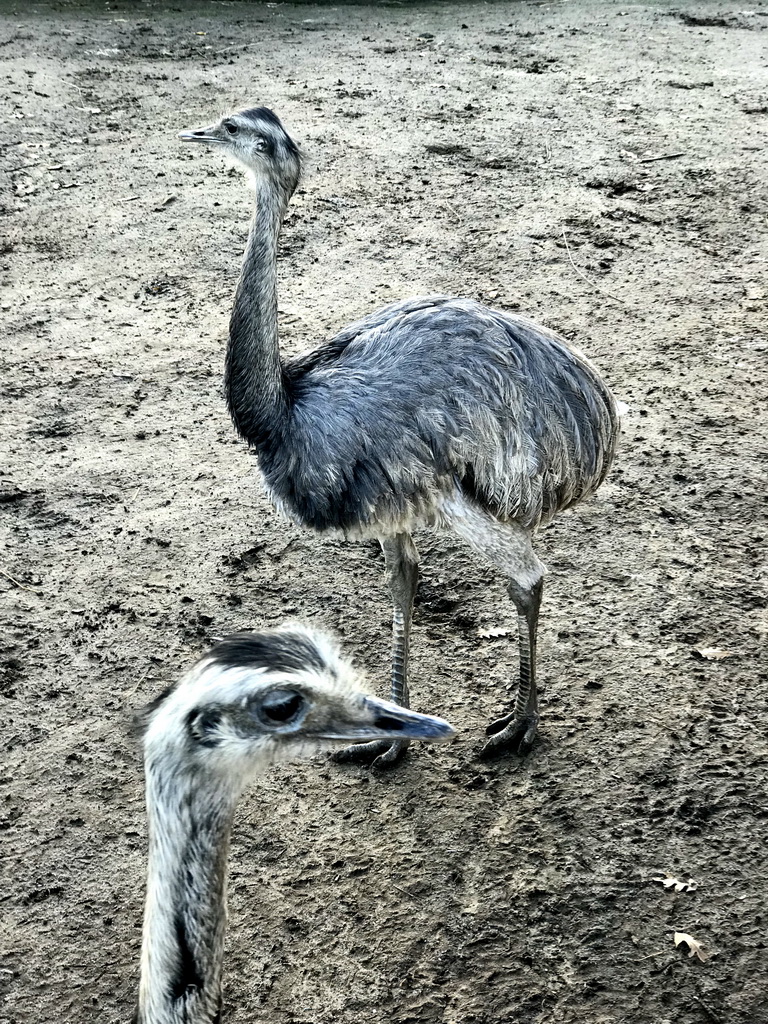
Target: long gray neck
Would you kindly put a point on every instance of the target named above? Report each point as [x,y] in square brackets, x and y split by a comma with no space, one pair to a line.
[254,378]
[190,818]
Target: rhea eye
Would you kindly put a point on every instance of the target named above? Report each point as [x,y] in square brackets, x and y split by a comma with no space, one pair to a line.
[231,127]
[280,707]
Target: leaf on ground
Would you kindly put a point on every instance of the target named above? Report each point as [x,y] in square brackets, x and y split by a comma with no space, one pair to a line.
[669,881]
[493,631]
[694,947]
[713,653]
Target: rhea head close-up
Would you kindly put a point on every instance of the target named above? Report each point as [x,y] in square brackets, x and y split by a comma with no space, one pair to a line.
[257,140]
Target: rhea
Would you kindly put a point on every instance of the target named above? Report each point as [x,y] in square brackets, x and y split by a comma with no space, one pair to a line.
[254,699]
[435,411]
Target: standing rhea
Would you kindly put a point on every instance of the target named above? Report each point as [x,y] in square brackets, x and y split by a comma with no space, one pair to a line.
[434,412]
[254,699]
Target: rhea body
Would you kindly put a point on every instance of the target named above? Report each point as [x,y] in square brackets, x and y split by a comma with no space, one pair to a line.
[434,411]
[254,699]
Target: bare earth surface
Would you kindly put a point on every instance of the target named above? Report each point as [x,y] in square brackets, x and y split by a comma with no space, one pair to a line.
[594,165]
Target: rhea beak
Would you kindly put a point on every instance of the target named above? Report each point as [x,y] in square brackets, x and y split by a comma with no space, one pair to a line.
[200,135]
[375,719]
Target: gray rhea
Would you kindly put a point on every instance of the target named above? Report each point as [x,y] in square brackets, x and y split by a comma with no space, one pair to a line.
[435,411]
[254,699]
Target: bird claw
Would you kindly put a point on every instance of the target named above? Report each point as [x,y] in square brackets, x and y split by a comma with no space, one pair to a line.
[510,735]
[499,724]
[377,754]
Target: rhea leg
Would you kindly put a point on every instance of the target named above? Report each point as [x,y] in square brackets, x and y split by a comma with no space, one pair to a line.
[517,730]
[402,569]
[509,547]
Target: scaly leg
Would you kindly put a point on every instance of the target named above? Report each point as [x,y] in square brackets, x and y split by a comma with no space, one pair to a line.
[508,546]
[517,730]
[402,569]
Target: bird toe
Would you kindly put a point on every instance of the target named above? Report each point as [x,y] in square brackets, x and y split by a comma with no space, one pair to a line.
[510,735]
[377,754]
[499,724]
[392,756]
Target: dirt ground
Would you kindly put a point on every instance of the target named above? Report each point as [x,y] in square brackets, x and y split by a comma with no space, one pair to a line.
[597,165]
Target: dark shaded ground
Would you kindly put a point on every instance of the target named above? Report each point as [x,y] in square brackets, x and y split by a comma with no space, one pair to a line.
[451,148]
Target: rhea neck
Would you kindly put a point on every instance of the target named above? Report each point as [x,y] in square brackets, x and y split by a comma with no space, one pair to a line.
[254,381]
[190,818]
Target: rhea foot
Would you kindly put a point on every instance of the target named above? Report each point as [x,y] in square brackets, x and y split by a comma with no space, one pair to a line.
[378,753]
[510,735]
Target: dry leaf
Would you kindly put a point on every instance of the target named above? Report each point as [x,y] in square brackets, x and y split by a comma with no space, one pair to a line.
[694,947]
[493,631]
[713,653]
[668,881]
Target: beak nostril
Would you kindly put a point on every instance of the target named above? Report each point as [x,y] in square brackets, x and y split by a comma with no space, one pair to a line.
[390,724]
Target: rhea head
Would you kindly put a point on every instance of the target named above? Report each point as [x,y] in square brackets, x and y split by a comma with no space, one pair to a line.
[256,139]
[259,698]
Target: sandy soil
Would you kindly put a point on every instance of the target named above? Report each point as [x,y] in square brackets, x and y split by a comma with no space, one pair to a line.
[597,166]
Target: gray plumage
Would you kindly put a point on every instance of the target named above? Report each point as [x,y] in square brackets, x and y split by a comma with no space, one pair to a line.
[254,699]
[434,411]
[433,397]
